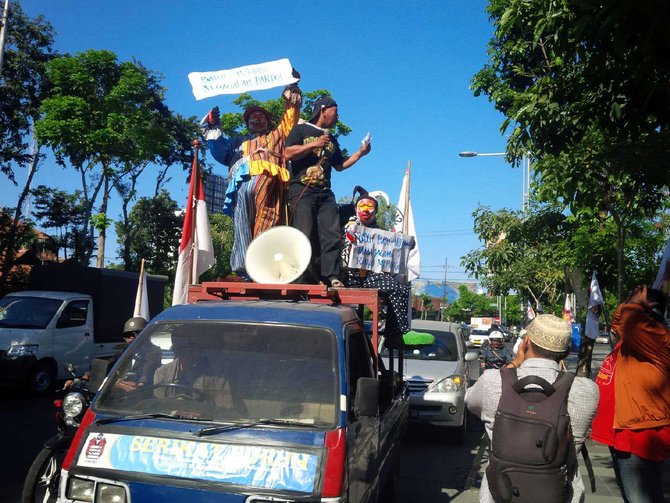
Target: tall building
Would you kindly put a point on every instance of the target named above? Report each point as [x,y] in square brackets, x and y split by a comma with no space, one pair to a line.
[215,193]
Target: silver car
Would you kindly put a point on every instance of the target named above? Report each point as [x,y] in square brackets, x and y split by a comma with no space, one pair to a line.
[438,376]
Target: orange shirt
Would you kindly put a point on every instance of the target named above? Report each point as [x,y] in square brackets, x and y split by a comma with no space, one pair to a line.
[642,377]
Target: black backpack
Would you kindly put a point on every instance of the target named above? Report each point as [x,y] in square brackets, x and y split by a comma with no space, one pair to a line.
[533,455]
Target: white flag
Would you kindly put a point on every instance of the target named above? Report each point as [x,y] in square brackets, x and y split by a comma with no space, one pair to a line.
[142,299]
[592,328]
[414,261]
[242,79]
[529,312]
[568,314]
[196,250]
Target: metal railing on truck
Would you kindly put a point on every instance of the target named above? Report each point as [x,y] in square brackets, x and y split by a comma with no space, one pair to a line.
[241,290]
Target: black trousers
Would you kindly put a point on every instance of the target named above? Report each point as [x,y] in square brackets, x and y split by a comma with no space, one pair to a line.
[315,213]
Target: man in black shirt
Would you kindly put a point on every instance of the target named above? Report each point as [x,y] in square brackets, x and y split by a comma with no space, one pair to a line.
[314,153]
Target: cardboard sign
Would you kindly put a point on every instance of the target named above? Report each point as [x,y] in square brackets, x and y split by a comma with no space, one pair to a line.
[242,79]
[379,251]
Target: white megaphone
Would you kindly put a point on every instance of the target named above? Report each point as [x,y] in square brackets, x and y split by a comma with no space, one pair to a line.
[279,255]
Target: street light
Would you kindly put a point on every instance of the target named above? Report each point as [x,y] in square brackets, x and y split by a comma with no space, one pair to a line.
[525,180]
[525,197]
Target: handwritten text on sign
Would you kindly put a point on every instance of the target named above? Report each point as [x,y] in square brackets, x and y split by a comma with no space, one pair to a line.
[380,251]
[242,79]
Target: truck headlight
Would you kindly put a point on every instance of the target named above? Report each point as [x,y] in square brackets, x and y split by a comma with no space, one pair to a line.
[73,404]
[109,493]
[22,350]
[447,385]
[80,489]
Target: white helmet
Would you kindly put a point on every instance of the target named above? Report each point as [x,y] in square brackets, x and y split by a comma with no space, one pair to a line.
[496,335]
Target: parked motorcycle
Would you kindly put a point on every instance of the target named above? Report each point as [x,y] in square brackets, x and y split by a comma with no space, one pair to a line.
[42,481]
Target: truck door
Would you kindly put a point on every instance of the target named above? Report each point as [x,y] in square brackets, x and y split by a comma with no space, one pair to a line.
[73,336]
[363,432]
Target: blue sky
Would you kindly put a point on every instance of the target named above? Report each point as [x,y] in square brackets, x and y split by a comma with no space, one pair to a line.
[399,69]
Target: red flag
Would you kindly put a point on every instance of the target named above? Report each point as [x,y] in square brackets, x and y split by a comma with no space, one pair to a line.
[196,250]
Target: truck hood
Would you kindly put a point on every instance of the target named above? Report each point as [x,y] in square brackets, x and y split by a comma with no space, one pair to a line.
[10,336]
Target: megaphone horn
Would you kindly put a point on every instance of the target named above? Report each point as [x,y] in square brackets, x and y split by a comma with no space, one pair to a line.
[278,256]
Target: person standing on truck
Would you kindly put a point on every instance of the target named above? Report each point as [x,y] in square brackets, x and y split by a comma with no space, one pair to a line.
[547,343]
[314,153]
[257,178]
[395,292]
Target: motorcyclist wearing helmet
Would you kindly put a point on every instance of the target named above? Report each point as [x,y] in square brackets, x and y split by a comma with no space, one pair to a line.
[495,355]
[143,366]
[131,328]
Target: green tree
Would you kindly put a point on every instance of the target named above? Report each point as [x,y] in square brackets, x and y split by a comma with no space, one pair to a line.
[221,229]
[153,233]
[469,304]
[28,48]
[104,117]
[527,255]
[583,85]
[60,210]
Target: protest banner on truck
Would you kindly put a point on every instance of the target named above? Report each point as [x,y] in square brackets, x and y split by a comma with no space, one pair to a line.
[380,251]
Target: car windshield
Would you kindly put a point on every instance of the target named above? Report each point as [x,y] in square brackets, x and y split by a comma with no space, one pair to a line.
[479,332]
[221,371]
[445,348]
[27,312]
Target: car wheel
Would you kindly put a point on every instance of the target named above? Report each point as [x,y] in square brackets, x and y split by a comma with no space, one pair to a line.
[43,379]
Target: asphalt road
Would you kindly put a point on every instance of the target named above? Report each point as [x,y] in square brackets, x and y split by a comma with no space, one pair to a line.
[434,467]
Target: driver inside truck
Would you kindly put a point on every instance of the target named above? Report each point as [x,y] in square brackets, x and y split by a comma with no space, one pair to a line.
[190,375]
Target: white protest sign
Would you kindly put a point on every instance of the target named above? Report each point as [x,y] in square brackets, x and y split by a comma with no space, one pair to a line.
[380,251]
[242,79]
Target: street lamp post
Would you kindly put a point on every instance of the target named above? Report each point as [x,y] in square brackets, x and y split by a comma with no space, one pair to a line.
[525,173]
[525,196]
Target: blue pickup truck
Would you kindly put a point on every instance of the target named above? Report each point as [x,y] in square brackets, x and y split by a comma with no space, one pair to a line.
[245,401]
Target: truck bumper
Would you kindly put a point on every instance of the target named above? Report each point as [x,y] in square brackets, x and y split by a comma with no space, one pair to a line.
[16,370]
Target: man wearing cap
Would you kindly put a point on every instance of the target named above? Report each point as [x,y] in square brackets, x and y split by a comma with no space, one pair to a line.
[547,342]
[257,178]
[314,153]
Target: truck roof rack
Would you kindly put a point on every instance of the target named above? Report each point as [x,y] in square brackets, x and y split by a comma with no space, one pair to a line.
[242,290]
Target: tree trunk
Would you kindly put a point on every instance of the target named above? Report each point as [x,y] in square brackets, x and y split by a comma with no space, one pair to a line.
[620,244]
[9,253]
[102,231]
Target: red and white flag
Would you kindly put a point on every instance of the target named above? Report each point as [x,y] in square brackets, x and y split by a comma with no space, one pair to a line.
[196,250]
[592,328]
[663,277]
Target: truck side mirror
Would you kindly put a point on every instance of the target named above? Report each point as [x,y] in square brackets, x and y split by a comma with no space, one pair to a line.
[366,403]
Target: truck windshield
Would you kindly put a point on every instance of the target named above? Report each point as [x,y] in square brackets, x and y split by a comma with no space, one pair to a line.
[236,372]
[27,312]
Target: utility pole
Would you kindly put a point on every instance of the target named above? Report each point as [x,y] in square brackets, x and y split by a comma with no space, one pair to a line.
[444,291]
[3,33]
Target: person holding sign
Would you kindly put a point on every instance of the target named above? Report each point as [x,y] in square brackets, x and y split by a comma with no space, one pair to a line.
[314,153]
[257,177]
[395,292]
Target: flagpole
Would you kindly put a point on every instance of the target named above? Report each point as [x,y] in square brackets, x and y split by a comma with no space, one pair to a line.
[195,172]
[406,222]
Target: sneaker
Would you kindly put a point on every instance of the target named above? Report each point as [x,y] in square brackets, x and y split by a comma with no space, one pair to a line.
[336,283]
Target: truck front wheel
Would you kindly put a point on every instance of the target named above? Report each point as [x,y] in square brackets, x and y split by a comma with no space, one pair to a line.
[43,379]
